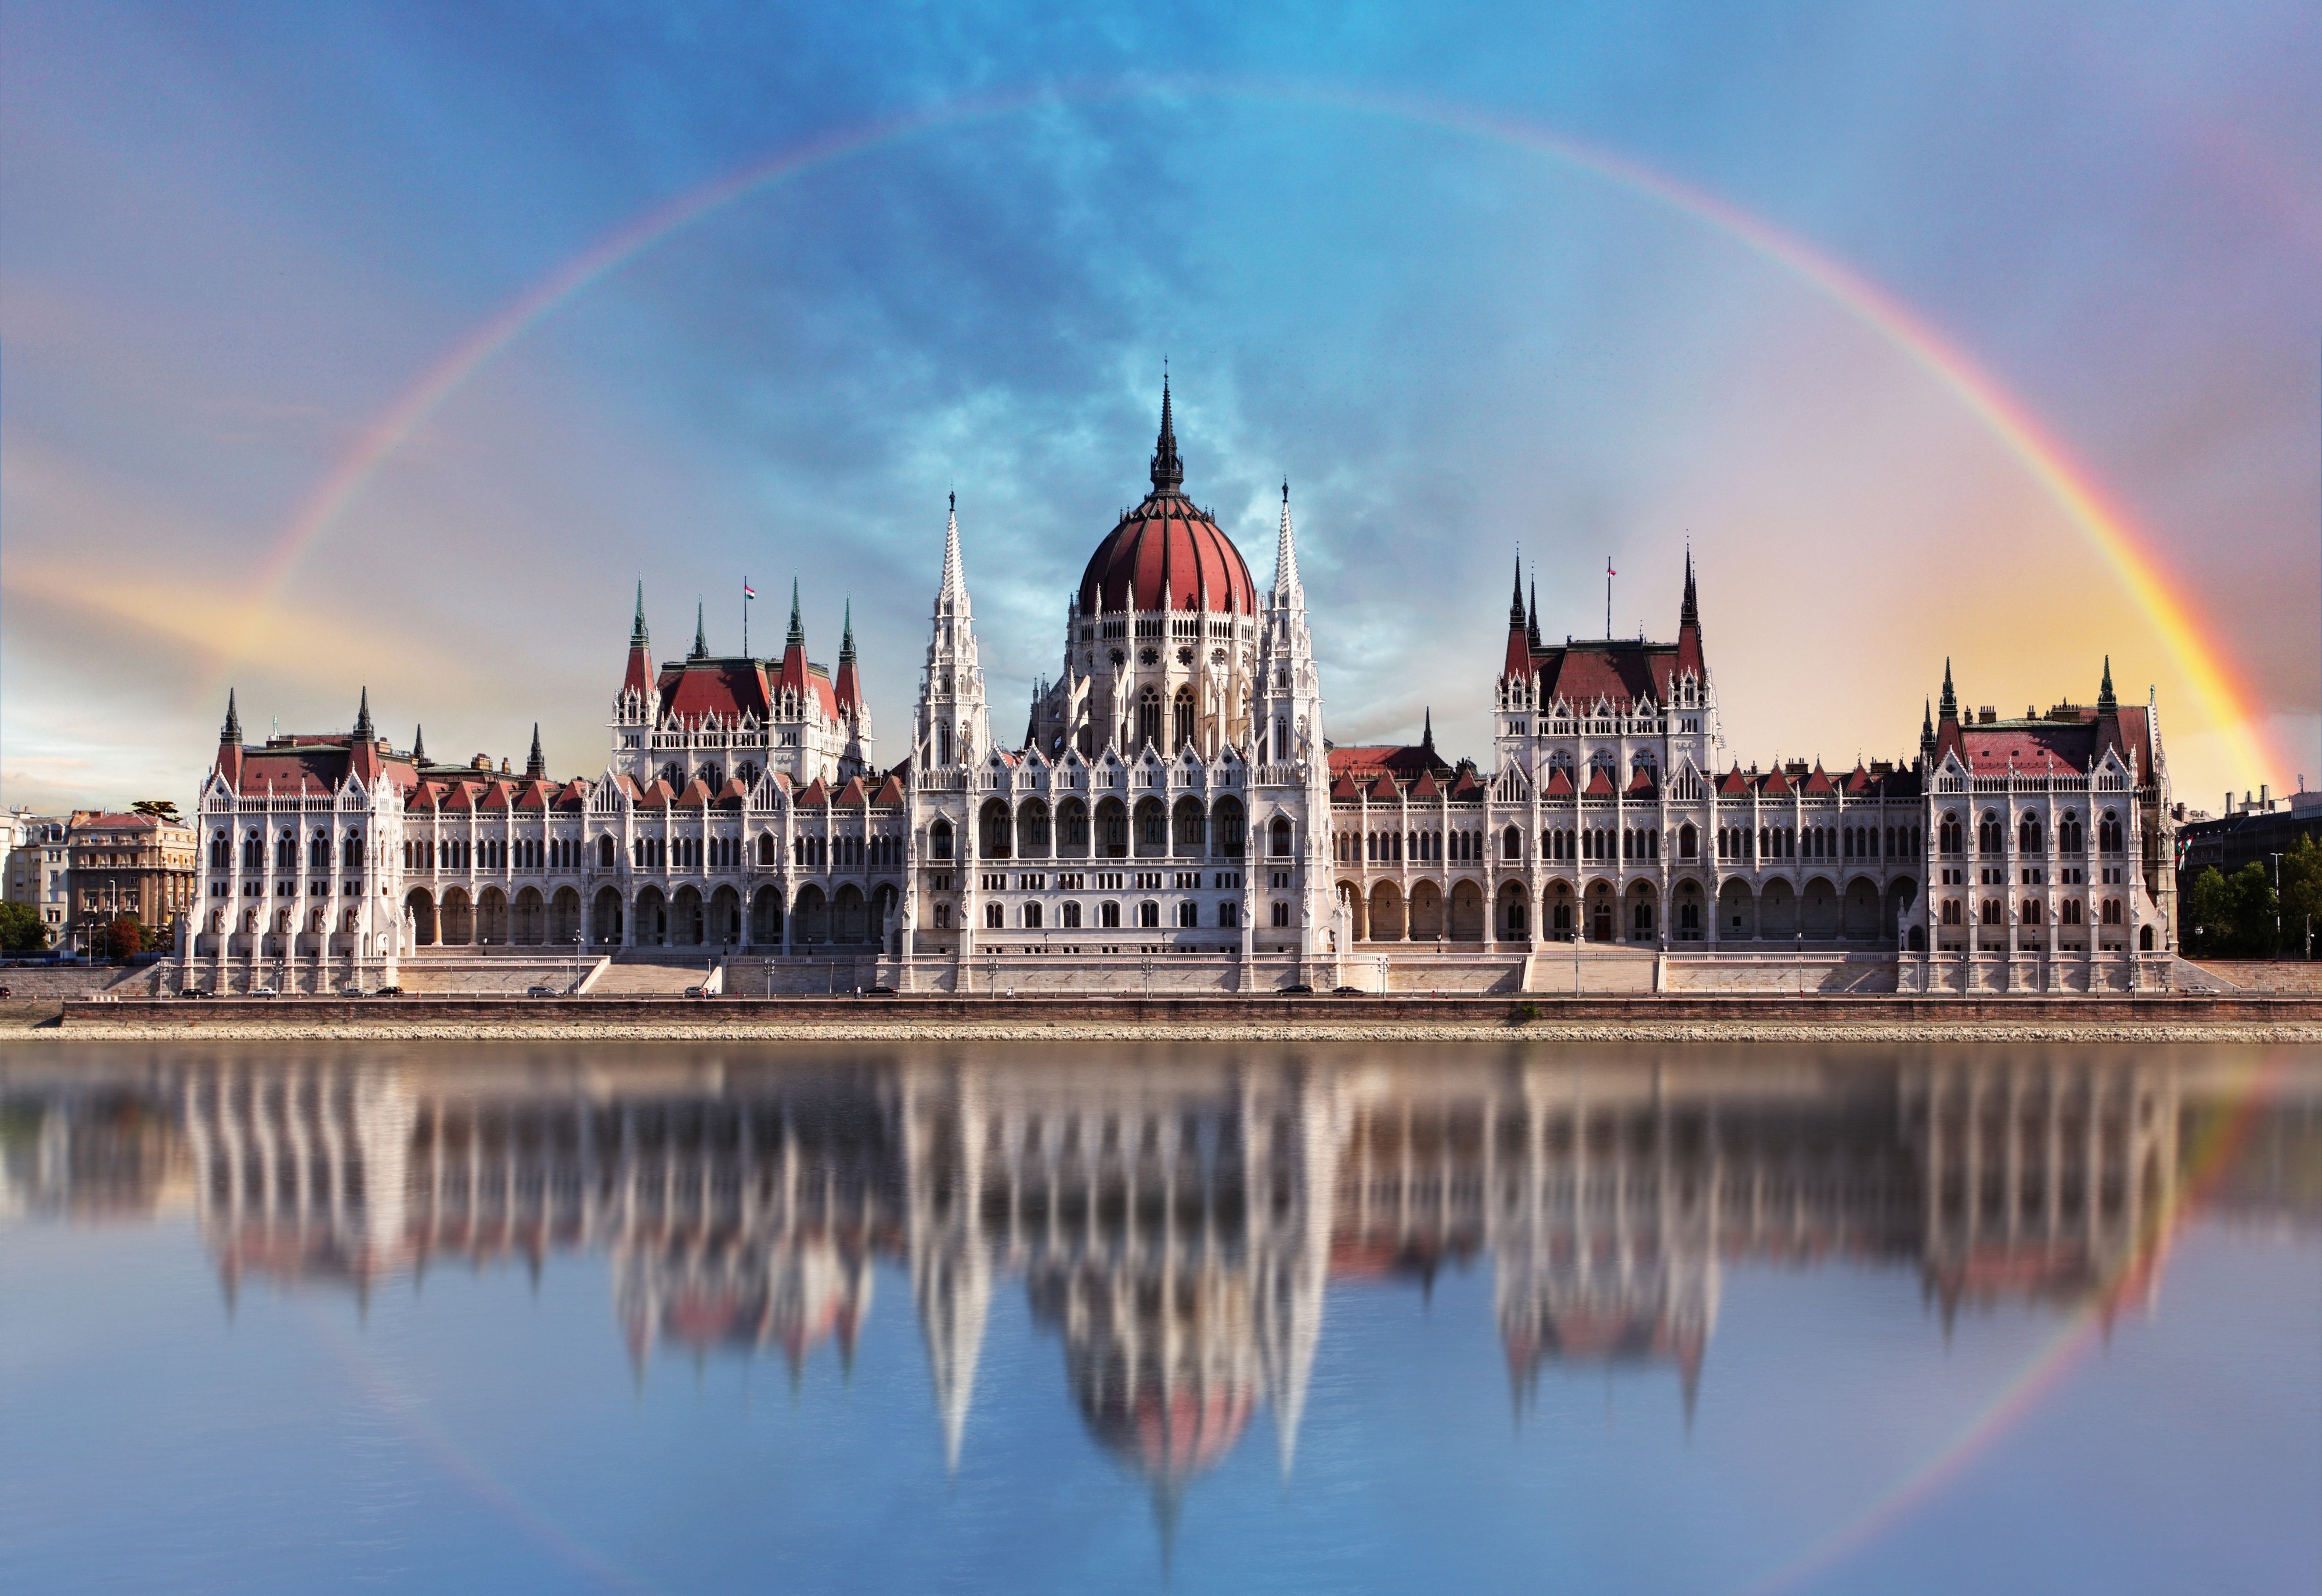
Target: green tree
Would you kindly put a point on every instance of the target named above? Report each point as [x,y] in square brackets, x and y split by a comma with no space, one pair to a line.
[2301,892]
[21,931]
[2209,913]
[2254,908]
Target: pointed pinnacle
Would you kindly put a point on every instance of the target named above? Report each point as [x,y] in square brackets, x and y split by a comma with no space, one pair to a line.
[233,732]
[637,626]
[796,638]
[847,636]
[363,732]
[1169,471]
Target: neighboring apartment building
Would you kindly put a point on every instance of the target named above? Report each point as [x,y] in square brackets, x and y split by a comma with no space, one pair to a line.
[127,864]
[38,870]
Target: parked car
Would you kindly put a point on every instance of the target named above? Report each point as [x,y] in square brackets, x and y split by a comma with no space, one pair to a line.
[1346,991]
[538,991]
[1299,991]
[351,992]
[879,991]
[197,993]
[264,991]
[389,992]
[697,992]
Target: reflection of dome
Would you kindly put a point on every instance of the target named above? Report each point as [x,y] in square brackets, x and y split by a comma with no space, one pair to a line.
[1167,553]
[1171,1434]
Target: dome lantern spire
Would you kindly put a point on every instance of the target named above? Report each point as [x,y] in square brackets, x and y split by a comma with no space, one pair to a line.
[1169,471]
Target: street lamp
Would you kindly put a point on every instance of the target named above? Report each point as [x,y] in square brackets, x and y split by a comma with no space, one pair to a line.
[2277,904]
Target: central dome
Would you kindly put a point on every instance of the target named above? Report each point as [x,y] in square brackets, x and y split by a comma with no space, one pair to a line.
[1167,553]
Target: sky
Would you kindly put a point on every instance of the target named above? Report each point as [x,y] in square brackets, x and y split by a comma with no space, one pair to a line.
[348,347]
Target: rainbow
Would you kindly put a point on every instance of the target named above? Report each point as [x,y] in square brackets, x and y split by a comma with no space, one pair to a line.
[2128,551]
[2057,1360]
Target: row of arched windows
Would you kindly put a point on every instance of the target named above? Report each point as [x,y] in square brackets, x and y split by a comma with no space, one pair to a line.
[1991,833]
[1033,917]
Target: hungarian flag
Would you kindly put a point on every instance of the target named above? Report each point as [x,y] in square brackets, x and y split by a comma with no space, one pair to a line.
[748,591]
[1608,567]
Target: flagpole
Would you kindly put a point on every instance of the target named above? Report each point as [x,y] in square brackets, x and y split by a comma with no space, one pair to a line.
[746,616]
[1608,598]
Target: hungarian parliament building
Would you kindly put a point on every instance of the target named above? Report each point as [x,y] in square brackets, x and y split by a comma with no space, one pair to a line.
[1176,818]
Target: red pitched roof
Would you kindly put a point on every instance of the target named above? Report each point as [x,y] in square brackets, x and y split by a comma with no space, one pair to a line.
[1559,782]
[891,791]
[1600,783]
[853,793]
[2051,744]
[1818,782]
[816,793]
[1620,673]
[726,688]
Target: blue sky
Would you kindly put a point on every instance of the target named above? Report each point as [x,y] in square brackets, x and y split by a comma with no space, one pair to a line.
[231,237]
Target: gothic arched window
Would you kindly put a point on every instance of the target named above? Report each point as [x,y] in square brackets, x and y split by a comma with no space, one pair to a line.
[1185,719]
[1149,718]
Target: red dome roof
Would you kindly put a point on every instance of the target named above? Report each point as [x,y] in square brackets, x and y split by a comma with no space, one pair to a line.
[1162,556]
[1167,550]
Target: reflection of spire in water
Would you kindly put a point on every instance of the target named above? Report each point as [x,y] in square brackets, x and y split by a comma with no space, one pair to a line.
[951,1274]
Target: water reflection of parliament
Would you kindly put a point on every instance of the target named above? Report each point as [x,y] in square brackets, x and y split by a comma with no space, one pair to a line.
[1178,1225]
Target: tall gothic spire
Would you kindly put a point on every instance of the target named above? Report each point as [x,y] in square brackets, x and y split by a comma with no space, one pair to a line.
[233,729]
[1516,604]
[418,744]
[847,636]
[1951,698]
[951,594]
[1427,732]
[2106,703]
[637,627]
[1286,555]
[535,765]
[1532,615]
[700,633]
[363,731]
[1927,728]
[1689,614]
[796,638]
[1169,471]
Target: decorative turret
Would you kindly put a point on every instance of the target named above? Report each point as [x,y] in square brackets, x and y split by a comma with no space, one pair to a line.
[1950,707]
[792,677]
[1927,731]
[418,744]
[2106,703]
[229,759]
[701,650]
[1516,666]
[365,763]
[1689,655]
[1531,616]
[535,765]
[849,685]
[639,677]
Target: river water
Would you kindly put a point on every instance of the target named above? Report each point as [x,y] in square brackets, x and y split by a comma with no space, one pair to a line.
[1004,1318]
